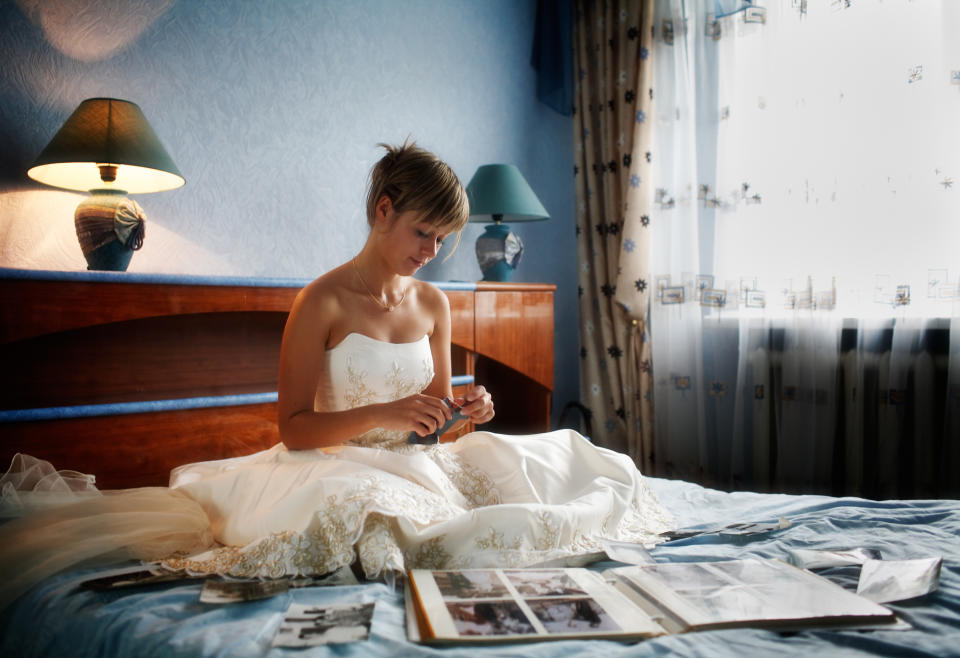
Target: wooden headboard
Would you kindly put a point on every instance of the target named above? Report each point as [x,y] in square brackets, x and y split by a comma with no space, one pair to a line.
[127,375]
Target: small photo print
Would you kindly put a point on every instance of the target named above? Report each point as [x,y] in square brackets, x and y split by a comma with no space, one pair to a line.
[580,615]
[827,300]
[714,297]
[672,295]
[310,626]
[660,284]
[755,15]
[704,282]
[756,299]
[237,591]
[902,297]
[470,584]
[548,582]
[489,618]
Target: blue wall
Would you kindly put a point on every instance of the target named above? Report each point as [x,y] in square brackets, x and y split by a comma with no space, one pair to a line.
[272,112]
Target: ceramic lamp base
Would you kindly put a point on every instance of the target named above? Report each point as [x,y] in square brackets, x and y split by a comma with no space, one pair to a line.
[498,252]
[110,227]
[111,257]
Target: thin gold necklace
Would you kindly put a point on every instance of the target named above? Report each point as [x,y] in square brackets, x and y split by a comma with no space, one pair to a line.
[386,307]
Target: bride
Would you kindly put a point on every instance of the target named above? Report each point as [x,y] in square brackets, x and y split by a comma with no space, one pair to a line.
[365,363]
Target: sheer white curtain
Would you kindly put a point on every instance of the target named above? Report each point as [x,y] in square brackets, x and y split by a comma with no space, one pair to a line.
[806,245]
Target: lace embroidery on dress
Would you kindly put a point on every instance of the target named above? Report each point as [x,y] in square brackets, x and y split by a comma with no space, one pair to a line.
[357,393]
[328,543]
[378,549]
[475,485]
[402,379]
[646,518]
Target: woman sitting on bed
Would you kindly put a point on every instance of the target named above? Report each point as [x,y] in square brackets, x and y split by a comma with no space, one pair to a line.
[365,362]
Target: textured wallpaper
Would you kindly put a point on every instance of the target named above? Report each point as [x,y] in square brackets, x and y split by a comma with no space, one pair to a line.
[272,111]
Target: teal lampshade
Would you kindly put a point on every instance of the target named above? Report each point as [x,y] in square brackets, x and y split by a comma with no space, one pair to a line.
[499,193]
[106,131]
[108,148]
[501,190]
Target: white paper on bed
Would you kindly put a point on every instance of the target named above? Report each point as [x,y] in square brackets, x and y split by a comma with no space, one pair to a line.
[884,581]
[806,558]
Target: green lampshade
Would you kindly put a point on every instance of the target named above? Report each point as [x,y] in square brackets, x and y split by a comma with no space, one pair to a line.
[107,147]
[498,192]
[106,131]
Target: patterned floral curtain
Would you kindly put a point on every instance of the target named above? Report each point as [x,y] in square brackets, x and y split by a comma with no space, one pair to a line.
[613,97]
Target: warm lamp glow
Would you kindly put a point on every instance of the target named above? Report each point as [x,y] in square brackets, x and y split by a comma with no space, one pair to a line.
[86,176]
[106,131]
[108,148]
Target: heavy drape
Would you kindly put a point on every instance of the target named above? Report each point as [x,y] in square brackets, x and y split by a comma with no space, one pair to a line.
[613,100]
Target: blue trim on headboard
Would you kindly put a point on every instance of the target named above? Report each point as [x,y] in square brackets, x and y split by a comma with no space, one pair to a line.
[153,406]
[123,408]
[183,279]
[469,286]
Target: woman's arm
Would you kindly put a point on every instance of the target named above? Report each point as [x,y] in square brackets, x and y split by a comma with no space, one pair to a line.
[438,306]
[477,404]
[302,357]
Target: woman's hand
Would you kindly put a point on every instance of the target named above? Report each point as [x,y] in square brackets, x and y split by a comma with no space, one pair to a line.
[477,405]
[418,413]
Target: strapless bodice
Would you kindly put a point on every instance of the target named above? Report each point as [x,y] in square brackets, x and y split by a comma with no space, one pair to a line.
[361,370]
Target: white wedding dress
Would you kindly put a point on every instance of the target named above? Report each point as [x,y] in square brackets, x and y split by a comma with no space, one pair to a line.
[485,500]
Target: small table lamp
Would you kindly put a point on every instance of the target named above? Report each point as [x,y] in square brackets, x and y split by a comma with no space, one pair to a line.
[498,193]
[107,147]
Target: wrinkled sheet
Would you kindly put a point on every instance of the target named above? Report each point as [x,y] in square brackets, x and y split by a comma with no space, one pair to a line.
[55,618]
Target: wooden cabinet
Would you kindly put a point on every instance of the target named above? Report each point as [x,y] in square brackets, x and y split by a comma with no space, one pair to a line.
[125,375]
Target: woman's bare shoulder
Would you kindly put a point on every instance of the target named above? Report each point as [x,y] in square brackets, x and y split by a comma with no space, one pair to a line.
[322,295]
[434,303]
[431,296]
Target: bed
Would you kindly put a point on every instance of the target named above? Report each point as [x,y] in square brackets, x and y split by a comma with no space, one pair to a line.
[59,617]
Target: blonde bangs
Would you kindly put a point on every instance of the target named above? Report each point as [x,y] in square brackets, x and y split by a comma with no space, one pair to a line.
[416,180]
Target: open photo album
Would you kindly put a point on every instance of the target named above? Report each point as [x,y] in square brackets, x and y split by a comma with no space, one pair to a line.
[627,603]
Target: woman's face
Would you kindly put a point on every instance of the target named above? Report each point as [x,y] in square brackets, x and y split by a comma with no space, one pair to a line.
[411,242]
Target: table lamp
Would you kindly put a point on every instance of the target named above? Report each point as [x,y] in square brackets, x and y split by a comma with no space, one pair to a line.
[498,193]
[107,147]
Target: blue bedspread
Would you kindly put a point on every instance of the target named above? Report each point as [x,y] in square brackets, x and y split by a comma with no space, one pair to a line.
[57,619]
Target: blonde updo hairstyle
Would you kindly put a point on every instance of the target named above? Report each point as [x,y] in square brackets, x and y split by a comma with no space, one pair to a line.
[415,179]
